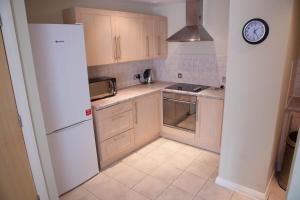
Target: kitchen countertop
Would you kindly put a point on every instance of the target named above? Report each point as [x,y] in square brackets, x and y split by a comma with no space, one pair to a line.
[132,92]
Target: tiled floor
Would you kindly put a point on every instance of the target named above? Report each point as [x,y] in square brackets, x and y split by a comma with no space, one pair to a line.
[162,170]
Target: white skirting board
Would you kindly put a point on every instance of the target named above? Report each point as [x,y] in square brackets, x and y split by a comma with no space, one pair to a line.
[245,190]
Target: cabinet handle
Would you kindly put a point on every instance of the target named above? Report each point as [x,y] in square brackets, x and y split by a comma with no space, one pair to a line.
[148,44]
[158,45]
[116,48]
[197,111]
[135,108]
[119,47]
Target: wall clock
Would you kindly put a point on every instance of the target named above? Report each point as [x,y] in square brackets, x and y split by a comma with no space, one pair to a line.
[255,31]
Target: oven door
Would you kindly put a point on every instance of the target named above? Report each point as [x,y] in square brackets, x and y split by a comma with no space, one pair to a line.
[180,111]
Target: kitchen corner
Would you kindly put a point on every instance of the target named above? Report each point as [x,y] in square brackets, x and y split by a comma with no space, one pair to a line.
[134,91]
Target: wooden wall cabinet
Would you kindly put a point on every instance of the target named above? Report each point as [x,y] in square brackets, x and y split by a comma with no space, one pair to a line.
[209,130]
[114,36]
[161,33]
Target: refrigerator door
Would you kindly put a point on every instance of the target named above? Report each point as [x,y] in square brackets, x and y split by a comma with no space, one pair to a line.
[61,69]
[73,155]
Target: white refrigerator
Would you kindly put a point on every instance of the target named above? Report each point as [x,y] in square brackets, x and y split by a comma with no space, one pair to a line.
[61,71]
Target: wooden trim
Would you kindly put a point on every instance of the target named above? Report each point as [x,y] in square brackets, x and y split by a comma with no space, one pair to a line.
[15,67]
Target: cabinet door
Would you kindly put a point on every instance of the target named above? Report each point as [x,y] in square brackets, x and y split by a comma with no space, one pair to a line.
[210,128]
[148,118]
[128,30]
[99,41]
[161,46]
[148,37]
[116,147]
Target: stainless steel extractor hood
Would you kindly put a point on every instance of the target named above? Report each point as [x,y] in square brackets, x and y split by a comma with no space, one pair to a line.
[194,30]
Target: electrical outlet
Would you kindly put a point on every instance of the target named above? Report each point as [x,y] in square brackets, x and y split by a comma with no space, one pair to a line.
[223,80]
[137,76]
[179,75]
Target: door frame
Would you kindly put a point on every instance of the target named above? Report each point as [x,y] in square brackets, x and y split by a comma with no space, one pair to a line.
[18,83]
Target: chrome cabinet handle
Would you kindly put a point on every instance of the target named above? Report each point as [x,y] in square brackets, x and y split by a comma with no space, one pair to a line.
[135,108]
[158,45]
[148,44]
[116,48]
[119,48]
[197,111]
[179,101]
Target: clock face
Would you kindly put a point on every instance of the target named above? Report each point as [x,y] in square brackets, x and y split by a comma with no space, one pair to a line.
[255,31]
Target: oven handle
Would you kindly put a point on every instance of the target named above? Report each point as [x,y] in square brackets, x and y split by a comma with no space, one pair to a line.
[180,101]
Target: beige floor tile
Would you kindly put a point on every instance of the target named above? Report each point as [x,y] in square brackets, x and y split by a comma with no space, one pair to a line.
[189,182]
[201,169]
[145,150]
[214,175]
[146,165]
[132,195]
[159,141]
[175,193]
[238,196]
[129,177]
[150,187]
[101,178]
[180,160]
[172,145]
[111,190]
[132,159]
[209,158]
[78,194]
[191,151]
[211,191]
[116,169]
[160,154]
[166,172]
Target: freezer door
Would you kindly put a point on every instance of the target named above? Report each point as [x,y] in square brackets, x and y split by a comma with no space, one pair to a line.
[61,69]
[73,155]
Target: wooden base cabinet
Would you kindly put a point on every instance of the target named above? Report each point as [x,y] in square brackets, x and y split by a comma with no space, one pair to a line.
[209,130]
[115,36]
[147,118]
[125,127]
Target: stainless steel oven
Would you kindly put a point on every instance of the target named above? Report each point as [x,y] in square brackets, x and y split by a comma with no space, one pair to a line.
[180,111]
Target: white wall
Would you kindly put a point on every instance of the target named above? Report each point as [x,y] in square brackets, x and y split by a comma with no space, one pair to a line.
[33,95]
[256,93]
[199,62]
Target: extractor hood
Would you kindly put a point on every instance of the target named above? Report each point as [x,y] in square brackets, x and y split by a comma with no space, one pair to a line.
[194,30]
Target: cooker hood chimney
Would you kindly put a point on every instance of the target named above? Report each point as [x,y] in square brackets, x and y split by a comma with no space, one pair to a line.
[194,30]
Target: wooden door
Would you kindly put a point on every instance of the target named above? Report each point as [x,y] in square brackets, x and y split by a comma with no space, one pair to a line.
[161,46]
[148,38]
[210,128]
[16,181]
[99,41]
[128,30]
[148,123]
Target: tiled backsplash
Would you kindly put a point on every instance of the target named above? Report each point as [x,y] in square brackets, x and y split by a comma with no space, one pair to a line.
[123,72]
[205,69]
